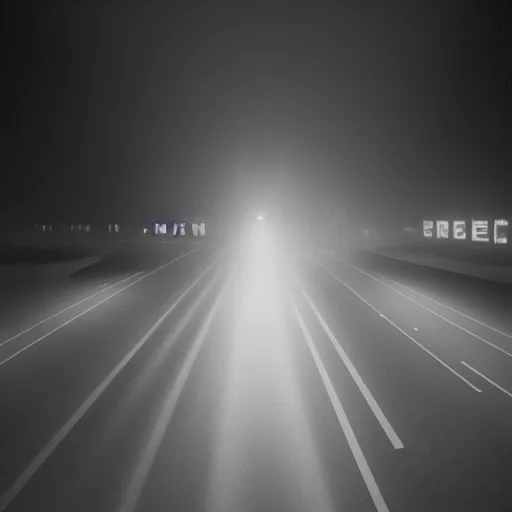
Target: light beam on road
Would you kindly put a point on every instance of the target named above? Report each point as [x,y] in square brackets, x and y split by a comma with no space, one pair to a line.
[261,274]
[265,453]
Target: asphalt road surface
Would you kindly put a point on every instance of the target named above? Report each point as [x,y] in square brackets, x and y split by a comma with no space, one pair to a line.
[257,379]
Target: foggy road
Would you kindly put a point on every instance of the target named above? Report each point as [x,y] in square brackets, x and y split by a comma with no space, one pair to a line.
[259,381]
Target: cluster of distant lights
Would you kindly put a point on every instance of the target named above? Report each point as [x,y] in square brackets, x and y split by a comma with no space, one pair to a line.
[479,230]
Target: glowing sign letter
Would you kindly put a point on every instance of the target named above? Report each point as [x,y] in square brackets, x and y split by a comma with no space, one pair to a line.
[428,228]
[459,229]
[500,231]
[443,228]
[160,229]
[480,231]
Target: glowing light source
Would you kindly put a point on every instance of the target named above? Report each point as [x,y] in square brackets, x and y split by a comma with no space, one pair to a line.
[459,229]
[443,228]
[428,227]
[480,232]
[260,217]
[160,228]
[500,231]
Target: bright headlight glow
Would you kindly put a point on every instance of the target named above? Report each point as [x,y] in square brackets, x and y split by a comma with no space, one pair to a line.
[260,273]
[260,242]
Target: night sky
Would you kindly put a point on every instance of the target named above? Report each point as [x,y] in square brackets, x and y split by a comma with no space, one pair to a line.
[137,110]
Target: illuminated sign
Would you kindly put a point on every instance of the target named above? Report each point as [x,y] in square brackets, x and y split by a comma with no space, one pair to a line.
[160,229]
[480,232]
[500,231]
[428,228]
[459,229]
[443,228]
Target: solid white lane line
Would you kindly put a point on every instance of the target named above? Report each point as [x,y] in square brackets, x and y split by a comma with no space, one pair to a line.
[359,457]
[425,349]
[104,288]
[452,309]
[487,379]
[136,387]
[429,310]
[374,406]
[140,475]
[17,353]
[52,445]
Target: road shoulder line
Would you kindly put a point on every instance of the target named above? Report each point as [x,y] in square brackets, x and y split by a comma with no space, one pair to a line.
[17,353]
[18,485]
[425,349]
[428,309]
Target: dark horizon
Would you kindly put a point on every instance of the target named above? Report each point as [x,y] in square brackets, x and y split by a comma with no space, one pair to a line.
[138,110]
